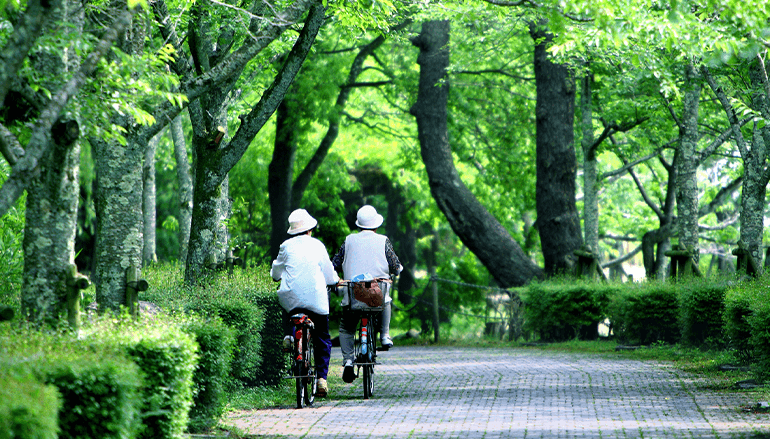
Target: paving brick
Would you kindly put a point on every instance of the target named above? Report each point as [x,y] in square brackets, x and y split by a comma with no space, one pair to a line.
[465,393]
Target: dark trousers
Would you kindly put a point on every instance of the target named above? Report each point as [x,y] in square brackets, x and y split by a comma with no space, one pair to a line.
[322,342]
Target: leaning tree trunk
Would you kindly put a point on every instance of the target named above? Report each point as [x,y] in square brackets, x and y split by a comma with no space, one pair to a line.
[52,197]
[687,165]
[470,220]
[557,217]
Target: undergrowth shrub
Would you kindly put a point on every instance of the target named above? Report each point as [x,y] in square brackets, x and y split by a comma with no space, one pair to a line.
[245,300]
[645,313]
[565,310]
[98,387]
[701,307]
[167,357]
[737,329]
[28,408]
[759,321]
[216,342]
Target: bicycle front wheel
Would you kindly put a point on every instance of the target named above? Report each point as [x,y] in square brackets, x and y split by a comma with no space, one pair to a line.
[368,381]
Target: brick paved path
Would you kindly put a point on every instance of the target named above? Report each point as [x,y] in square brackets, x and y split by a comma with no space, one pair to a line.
[424,392]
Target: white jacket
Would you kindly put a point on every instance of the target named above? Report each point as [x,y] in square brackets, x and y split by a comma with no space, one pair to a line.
[304,269]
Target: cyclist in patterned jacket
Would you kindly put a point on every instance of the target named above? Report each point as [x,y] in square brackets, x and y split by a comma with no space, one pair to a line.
[365,252]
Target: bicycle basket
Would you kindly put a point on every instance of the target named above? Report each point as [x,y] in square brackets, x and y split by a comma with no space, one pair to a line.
[366,296]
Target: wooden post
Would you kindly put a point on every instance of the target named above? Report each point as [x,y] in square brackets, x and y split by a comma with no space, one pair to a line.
[76,283]
[682,263]
[745,260]
[232,261]
[587,264]
[134,284]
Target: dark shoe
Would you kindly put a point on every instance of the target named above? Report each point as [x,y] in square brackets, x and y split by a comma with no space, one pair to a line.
[348,373]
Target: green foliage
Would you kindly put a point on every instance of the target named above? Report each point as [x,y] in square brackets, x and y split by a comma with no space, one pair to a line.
[564,309]
[701,307]
[11,251]
[99,386]
[28,408]
[645,313]
[738,301]
[167,356]
[216,343]
[759,322]
[245,301]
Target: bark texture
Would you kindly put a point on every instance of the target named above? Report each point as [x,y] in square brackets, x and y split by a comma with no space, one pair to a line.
[472,223]
[687,165]
[119,226]
[557,216]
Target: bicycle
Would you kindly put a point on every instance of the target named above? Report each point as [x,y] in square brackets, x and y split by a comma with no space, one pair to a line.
[365,346]
[302,360]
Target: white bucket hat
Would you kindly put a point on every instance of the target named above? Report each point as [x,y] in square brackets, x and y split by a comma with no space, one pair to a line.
[300,221]
[368,218]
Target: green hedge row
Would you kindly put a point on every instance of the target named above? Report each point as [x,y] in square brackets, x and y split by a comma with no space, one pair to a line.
[707,313]
[246,301]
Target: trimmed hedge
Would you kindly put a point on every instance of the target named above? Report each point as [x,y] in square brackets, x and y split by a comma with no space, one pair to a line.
[28,408]
[216,343]
[645,313]
[737,329]
[566,310]
[99,388]
[701,309]
[245,300]
[167,356]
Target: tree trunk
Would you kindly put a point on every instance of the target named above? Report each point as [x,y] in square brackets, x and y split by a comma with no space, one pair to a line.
[590,192]
[471,221]
[687,165]
[280,174]
[557,215]
[52,197]
[148,201]
[120,227]
[185,186]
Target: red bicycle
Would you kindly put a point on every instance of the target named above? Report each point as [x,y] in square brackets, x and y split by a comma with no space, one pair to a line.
[302,360]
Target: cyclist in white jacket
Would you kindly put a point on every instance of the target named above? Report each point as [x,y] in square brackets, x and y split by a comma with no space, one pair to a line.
[365,252]
[304,269]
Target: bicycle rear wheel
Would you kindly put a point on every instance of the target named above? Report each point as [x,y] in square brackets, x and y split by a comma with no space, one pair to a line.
[298,370]
[311,381]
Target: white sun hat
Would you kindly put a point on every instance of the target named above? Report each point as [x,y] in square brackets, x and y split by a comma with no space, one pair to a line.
[300,221]
[368,218]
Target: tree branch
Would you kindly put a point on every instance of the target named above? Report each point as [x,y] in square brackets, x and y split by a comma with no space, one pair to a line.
[40,139]
[731,117]
[25,34]
[624,258]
